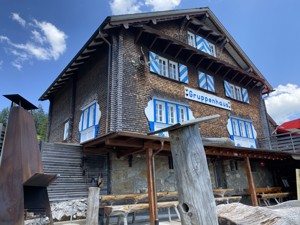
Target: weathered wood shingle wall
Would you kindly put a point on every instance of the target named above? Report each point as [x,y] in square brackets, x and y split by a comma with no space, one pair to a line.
[78,171]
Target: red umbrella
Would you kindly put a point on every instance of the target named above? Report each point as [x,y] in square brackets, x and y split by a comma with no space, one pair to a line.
[292,126]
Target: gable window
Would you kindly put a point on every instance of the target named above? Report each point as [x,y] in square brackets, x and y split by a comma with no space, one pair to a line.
[236,92]
[168,68]
[88,126]
[191,39]
[206,82]
[201,44]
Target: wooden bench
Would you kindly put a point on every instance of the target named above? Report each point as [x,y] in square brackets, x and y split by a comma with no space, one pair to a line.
[124,204]
[134,203]
[224,195]
[266,194]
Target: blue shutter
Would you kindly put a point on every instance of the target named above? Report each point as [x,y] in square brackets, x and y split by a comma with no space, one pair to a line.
[154,64]
[227,89]
[202,80]
[183,73]
[202,45]
[245,95]
[210,83]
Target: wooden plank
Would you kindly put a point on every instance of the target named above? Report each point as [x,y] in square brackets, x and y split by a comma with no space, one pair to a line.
[193,178]
[93,206]
[152,206]
[250,182]
[298,183]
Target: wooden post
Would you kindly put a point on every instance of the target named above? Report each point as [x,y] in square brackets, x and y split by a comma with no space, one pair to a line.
[298,183]
[152,206]
[250,182]
[93,206]
[196,200]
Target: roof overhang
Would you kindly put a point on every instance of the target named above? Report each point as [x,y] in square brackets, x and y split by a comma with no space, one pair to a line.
[85,53]
[200,20]
[161,43]
[128,143]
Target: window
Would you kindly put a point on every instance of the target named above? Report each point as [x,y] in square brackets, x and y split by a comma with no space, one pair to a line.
[242,128]
[201,44]
[212,49]
[182,113]
[172,118]
[235,126]
[191,39]
[160,112]
[66,130]
[236,92]
[88,126]
[168,68]
[173,70]
[163,67]
[249,130]
[206,82]
[170,113]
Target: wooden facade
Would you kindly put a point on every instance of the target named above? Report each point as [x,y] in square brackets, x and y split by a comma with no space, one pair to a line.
[144,72]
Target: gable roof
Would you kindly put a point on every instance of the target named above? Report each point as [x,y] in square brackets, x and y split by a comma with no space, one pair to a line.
[201,19]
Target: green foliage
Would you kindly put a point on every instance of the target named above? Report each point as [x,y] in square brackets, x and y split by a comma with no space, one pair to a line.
[4,116]
[40,120]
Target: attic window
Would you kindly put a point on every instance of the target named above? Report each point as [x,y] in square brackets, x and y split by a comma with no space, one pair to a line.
[201,44]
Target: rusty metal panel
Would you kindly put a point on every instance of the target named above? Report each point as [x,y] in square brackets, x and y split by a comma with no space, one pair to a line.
[20,161]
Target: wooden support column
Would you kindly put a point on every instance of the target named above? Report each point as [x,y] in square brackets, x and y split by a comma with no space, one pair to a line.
[93,206]
[152,206]
[298,183]
[250,182]
[196,200]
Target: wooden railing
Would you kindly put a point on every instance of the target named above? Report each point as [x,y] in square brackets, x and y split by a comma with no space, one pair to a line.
[288,142]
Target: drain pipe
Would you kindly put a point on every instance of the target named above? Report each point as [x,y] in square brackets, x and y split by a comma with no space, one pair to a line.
[108,80]
[154,183]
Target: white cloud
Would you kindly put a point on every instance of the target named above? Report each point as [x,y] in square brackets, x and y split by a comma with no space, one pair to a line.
[45,42]
[55,38]
[20,20]
[284,103]
[159,5]
[1,64]
[4,38]
[119,7]
[135,6]
[17,65]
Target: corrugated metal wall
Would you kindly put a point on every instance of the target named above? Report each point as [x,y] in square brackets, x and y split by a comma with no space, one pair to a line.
[78,171]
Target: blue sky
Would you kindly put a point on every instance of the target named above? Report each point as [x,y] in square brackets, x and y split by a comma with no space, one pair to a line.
[39,38]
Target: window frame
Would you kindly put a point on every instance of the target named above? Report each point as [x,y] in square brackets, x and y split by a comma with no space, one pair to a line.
[66,130]
[191,39]
[236,92]
[177,113]
[85,123]
[240,125]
